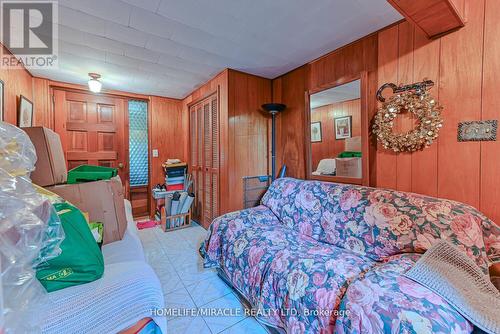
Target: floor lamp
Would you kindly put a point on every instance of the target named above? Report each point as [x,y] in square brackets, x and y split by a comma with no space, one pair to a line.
[273,109]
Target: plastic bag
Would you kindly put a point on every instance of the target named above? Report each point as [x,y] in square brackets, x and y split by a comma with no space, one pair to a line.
[17,153]
[30,233]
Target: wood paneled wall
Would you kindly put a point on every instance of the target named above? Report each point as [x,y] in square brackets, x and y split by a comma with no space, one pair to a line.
[290,132]
[464,65]
[448,168]
[291,88]
[330,147]
[248,132]
[168,126]
[16,82]
[243,136]
[168,134]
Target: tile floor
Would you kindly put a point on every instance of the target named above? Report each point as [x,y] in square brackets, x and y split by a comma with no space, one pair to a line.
[187,285]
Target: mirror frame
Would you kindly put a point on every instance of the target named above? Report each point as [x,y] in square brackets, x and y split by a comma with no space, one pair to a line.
[365,131]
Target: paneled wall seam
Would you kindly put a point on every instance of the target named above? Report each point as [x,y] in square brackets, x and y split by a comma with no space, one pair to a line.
[481,146]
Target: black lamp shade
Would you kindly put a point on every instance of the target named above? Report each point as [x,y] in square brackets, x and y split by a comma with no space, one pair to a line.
[273,108]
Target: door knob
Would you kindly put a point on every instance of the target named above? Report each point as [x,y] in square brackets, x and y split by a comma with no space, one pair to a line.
[120,165]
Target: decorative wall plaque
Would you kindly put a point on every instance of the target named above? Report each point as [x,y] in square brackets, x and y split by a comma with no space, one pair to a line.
[478,131]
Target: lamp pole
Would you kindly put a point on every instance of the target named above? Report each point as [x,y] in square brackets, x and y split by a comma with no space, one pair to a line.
[273,109]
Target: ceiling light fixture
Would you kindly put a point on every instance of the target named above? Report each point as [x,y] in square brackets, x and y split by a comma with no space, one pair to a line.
[94,84]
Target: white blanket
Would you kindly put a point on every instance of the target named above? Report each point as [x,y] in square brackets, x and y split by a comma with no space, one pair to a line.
[126,293]
[451,274]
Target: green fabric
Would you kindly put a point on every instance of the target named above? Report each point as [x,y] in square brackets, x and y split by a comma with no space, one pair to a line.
[97,230]
[81,259]
[348,154]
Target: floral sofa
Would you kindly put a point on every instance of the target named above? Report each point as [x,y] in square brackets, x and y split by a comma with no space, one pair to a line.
[320,257]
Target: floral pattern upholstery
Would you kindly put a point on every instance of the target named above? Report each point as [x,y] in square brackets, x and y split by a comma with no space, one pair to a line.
[381,223]
[384,301]
[320,257]
[281,273]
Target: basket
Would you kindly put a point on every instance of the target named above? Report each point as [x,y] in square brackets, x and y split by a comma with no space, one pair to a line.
[254,187]
[175,222]
[88,173]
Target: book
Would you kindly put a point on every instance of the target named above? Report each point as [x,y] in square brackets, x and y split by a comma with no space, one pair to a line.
[176,183]
[175,187]
[174,179]
[170,166]
[176,173]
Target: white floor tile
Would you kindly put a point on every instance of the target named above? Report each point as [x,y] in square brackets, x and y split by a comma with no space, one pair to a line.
[170,282]
[208,290]
[247,326]
[230,304]
[192,273]
[178,300]
[187,284]
[186,257]
[155,254]
[187,325]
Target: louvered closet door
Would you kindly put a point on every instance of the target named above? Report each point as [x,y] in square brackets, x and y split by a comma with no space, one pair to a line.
[204,130]
[210,160]
[196,122]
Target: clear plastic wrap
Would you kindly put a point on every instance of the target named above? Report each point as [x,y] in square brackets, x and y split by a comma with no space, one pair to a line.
[30,233]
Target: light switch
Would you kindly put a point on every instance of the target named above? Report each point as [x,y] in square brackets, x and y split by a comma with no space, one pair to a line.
[155,153]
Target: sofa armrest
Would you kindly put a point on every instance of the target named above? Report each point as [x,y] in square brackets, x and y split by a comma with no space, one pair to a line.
[229,227]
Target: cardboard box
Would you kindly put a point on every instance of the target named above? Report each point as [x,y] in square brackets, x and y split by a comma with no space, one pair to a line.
[50,167]
[349,167]
[102,200]
[353,144]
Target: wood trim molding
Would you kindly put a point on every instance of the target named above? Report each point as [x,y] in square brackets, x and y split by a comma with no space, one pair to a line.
[365,132]
[434,17]
[203,97]
[84,89]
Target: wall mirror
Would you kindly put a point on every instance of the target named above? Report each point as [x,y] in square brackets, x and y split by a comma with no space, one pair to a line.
[338,132]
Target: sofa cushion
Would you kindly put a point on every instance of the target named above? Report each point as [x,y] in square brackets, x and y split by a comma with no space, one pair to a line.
[384,301]
[281,273]
[381,223]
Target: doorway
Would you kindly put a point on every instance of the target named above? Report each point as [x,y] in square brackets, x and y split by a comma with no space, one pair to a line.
[93,129]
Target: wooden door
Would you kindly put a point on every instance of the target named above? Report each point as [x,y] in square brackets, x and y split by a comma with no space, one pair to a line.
[93,130]
[204,129]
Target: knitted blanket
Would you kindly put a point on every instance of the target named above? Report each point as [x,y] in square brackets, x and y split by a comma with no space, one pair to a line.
[456,278]
[127,293]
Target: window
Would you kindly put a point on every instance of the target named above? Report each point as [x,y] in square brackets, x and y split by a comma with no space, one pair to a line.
[138,142]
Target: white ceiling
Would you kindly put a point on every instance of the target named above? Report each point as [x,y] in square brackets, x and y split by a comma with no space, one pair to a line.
[346,92]
[170,47]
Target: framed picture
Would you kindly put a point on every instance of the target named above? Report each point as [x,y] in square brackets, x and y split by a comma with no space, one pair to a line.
[343,127]
[1,100]
[316,132]
[25,113]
